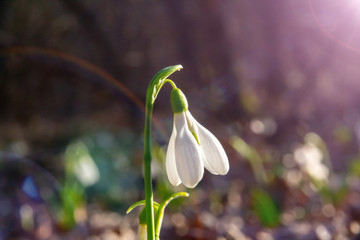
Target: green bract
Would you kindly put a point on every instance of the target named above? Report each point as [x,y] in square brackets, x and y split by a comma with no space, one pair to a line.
[178,101]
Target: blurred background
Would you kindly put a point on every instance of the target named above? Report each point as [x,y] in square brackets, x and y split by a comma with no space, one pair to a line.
[276,81]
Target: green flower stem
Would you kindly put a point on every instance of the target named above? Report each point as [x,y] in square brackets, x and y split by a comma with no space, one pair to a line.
[171,83]
[147,175]
[153,90]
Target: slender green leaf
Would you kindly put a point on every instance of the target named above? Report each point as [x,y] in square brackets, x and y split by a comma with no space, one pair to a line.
[160,213]
[139,203]
[254,158]
[265,208]
[142,215]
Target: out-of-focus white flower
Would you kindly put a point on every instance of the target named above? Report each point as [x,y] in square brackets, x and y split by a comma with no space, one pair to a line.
[191,147]
[80,162]
[310,158]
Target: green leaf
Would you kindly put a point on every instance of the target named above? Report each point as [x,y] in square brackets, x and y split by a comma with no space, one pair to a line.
[252,155]
[160,212]
[354,168]
[265,208]
[142,215]
[139,203]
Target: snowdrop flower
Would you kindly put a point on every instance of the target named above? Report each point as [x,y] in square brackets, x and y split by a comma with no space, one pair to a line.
[311,160]
[191,147]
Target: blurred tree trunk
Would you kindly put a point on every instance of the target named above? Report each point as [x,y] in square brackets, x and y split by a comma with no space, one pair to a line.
[94,30]
[200,37]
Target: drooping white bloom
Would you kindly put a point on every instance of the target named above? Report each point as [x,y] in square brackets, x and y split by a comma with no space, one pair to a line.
[191,148]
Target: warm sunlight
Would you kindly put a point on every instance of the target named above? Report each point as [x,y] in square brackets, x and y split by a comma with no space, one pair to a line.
[339,20]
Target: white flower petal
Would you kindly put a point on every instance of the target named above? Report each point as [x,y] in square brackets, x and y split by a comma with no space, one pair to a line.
[215,158]
[188,155]
[170,160]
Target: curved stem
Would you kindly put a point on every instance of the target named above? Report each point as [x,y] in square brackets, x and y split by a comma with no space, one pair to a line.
[169,81]
[154,87]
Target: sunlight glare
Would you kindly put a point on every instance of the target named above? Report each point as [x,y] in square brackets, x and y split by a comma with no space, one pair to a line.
[339,20]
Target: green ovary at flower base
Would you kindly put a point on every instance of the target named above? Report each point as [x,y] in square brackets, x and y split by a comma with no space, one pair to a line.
[191,148]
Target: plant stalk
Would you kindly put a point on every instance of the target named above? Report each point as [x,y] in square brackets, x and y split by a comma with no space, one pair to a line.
[147,178]
[154,87]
